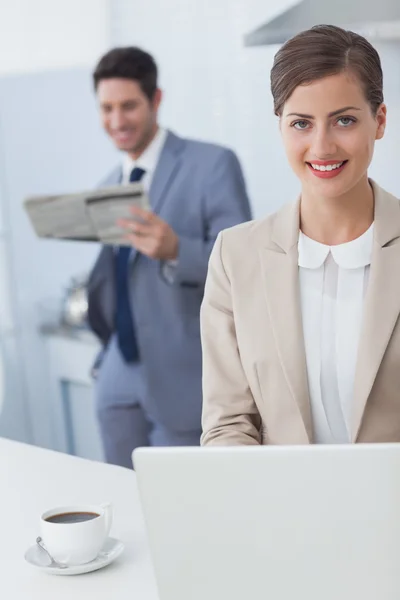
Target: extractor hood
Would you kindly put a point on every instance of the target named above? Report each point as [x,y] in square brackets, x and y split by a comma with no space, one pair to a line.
[374,19]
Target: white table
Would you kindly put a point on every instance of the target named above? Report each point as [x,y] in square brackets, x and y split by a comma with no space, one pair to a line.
[32,480]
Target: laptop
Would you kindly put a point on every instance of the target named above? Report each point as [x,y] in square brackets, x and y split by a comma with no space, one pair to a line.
[274,523]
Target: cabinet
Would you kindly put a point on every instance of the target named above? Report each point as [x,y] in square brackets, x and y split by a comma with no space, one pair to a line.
[70,356]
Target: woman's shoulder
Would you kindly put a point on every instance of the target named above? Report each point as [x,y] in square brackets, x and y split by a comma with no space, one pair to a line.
[238,248]
[257,231]
[387,216]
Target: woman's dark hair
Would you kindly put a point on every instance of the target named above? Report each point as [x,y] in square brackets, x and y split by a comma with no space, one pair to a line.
[322,51]
[128,63]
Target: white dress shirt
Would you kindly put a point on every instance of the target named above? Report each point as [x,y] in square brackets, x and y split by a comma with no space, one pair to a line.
[146,161]
[333,282]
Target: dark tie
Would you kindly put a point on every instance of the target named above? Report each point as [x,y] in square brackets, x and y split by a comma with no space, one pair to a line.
[124,316]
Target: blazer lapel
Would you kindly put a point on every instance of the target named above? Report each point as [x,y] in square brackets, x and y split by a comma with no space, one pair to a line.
[382,302]
[166,170]
[167,166]
[281,284]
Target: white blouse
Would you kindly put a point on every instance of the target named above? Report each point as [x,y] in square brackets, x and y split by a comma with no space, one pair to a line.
[333,282]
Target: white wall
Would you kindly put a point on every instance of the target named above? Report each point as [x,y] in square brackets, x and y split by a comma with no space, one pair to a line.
[40,35]
[43,34]
[217,89]
[385,165]
[46,47]
[55,145]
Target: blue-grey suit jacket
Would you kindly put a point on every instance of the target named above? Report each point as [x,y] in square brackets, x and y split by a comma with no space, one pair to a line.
[198,188]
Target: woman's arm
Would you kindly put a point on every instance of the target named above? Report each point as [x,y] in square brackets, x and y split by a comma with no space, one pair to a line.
[230,415]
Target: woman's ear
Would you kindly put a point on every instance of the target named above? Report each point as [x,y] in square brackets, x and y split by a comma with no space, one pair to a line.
[381,121]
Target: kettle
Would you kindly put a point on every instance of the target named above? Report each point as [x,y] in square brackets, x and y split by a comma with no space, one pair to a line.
[75,303]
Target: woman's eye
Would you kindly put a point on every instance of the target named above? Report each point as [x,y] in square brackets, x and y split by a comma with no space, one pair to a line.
[345,121]
[300,124]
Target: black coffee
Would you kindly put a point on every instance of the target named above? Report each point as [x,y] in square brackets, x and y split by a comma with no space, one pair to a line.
[72,517]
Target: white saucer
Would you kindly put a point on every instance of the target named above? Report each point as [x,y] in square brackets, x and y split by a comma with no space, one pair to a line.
[111,550]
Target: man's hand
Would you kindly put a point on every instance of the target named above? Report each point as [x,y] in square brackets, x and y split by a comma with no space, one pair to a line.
[151,236]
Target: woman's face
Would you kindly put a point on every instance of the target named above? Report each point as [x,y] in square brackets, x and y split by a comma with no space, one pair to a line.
[329,131]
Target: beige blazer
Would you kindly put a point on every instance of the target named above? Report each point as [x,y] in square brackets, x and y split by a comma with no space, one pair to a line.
[255,388]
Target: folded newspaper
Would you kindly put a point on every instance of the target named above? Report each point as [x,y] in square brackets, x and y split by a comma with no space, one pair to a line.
[87,216]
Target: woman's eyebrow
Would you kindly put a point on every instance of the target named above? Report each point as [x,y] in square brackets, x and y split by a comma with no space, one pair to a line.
[331,114]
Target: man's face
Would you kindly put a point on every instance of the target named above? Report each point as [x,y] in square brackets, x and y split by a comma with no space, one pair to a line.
[127,114]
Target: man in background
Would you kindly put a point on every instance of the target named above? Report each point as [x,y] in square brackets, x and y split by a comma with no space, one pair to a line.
[144,301]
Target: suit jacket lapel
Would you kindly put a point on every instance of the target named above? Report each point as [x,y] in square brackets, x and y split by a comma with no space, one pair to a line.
[167,166]
[166,169]
[382,302]
[281,284]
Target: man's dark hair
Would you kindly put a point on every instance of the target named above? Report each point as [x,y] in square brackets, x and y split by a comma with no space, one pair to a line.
[128,63]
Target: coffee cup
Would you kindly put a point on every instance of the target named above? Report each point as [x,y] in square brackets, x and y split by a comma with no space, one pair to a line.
[74,535]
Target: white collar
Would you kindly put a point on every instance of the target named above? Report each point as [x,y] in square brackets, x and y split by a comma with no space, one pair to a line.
[350,255]
[149,158]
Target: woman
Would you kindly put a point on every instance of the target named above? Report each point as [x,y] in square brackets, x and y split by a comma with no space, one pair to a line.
[300,328]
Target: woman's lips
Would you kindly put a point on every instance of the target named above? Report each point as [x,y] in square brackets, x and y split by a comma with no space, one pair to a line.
[327,174]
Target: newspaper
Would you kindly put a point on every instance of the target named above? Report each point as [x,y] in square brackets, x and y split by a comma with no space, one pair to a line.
[86,216]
